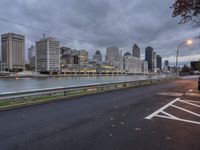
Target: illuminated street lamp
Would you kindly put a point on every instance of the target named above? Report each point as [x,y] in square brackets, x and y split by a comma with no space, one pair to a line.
[188,42]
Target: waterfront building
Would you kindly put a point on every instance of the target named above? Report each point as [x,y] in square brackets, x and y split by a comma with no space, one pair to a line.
[97,56]
[75,58]
[136,51]
[154,62]
[48,55]
[145,69]
[65,50]
[33,62]
[13,51]
[112,54]
[159,62]
[83,57]
[149,57]
[31,52]
[132,65]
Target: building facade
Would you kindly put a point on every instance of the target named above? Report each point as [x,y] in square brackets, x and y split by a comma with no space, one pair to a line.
[145,69]
[97,56]
[159,62]
[65,50]
[48,55]
[112,54]
[149,57]
[31,52]
[75,58]
[13,51]
[83,57]
[132,65]
[136,51]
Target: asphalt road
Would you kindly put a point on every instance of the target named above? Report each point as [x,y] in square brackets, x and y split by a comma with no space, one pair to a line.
[109,121]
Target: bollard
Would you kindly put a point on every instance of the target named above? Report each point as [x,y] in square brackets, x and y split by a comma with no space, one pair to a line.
[199,84]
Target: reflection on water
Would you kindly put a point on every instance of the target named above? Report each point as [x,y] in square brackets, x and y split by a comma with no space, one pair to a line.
[11,84]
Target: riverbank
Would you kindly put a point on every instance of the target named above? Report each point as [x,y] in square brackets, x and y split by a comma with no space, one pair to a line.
[18,100]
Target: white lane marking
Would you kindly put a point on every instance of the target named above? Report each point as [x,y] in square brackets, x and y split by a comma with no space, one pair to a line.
[161,109]
[189,103]
[163,114]
[168,114]
[179,119]
[198,102]
[188,111]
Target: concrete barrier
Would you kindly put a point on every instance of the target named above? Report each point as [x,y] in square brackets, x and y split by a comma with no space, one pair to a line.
[65,91]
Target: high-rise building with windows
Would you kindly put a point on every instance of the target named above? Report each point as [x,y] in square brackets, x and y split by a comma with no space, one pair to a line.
[31,52]
[13,51]
[48,55]
[149,57]
[159,62]
[97,56]
[112,54]
[136,51]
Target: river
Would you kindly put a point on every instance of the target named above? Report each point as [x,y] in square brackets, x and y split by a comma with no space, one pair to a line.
[25,84]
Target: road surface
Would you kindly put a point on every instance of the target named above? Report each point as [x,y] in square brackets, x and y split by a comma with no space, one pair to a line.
[134,119]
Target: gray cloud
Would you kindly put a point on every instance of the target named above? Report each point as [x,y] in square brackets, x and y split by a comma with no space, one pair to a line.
[97,24]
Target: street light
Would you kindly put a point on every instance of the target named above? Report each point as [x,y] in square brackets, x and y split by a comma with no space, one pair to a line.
[187,42]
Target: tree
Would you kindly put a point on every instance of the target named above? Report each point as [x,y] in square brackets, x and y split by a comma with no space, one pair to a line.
[198,65]
[188,10]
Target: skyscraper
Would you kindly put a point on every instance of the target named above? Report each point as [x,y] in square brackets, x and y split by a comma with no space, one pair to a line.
[97,56]
[112,54]
[136,51]
[154,62]
[149,57]
[159,62]
[13,51]
[31,52]
[48,55]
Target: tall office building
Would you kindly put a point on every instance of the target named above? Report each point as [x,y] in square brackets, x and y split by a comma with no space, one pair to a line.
[159,62]
[13,51]
[83,57]
[48,55]
[136,51]
[97,56]
[149,57]
[31,52]
[112,54]
[154,62]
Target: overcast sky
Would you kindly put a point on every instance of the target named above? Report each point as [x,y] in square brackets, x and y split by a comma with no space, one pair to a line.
[97,24]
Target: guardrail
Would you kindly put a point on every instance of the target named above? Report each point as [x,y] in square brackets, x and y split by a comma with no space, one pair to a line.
[65,91]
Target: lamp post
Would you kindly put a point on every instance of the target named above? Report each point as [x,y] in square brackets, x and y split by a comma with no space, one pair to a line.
[188,42]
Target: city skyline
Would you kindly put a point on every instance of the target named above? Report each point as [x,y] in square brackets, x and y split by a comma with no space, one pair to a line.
[89,25]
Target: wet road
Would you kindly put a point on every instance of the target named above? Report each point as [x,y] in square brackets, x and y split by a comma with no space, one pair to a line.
[109,121]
